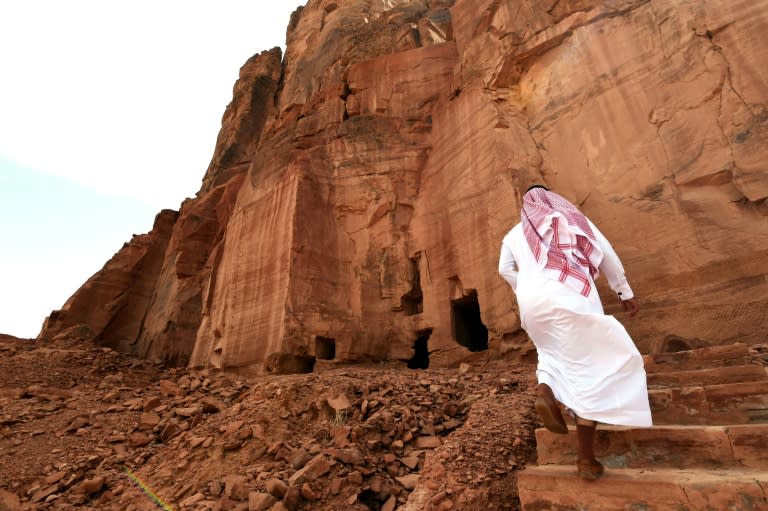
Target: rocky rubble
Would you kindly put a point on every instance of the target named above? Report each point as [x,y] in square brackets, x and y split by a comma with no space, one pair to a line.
[84,427]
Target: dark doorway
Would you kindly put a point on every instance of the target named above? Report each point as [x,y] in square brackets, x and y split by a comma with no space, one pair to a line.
[468,328]
[673,345]
[420,358]
[287,363]
[325,348]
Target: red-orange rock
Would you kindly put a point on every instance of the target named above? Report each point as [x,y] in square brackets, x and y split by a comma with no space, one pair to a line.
[554,486]
[253,103]
[360,188]
[9,501]
[112,304]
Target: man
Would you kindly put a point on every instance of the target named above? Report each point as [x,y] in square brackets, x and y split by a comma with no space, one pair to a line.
[587,361]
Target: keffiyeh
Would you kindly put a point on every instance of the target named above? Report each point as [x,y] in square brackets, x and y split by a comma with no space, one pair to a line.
[554,226]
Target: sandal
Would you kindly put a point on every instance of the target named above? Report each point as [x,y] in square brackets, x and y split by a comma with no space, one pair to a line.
[550,415]
[590,469]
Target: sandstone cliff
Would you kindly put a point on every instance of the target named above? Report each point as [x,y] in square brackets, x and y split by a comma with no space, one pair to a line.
[361,185]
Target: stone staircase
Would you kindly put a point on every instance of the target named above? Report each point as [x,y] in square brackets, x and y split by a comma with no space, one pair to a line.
[707,450]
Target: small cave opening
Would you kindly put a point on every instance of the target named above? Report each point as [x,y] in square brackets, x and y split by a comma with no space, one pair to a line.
[468,328]
[673,344]
[325,348]
[303,364]
[289,363]
[420,358]
[412,302]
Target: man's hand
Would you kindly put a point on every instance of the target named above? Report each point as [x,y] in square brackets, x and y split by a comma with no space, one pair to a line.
[630,306]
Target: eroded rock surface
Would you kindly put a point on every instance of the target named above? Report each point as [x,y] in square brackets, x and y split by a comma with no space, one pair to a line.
[359,190]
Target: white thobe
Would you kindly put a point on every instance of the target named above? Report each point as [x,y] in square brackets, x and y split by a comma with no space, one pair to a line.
[587,358]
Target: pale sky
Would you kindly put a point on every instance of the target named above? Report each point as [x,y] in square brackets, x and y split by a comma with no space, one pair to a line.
[109,112]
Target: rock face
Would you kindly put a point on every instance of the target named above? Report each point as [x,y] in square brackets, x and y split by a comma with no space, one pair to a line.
[359,189]
[112,304]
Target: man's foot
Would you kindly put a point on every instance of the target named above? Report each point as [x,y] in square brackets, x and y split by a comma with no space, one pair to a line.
[549,411]
[590,469]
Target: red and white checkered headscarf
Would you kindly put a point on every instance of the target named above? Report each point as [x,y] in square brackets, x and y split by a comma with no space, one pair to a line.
[556,227]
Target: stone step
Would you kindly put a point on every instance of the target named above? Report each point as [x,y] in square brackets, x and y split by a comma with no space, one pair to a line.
[557,488]
[730,403]
[714,356]
[663,446]
[710,376]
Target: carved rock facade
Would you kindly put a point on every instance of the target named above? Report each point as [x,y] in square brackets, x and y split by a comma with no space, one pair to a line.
[359,190]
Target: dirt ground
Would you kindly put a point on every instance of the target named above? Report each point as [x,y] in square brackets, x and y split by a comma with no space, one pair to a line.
[83,427]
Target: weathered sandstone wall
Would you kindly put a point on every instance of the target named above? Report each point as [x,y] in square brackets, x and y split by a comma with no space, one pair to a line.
[110,306]
[360,188]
